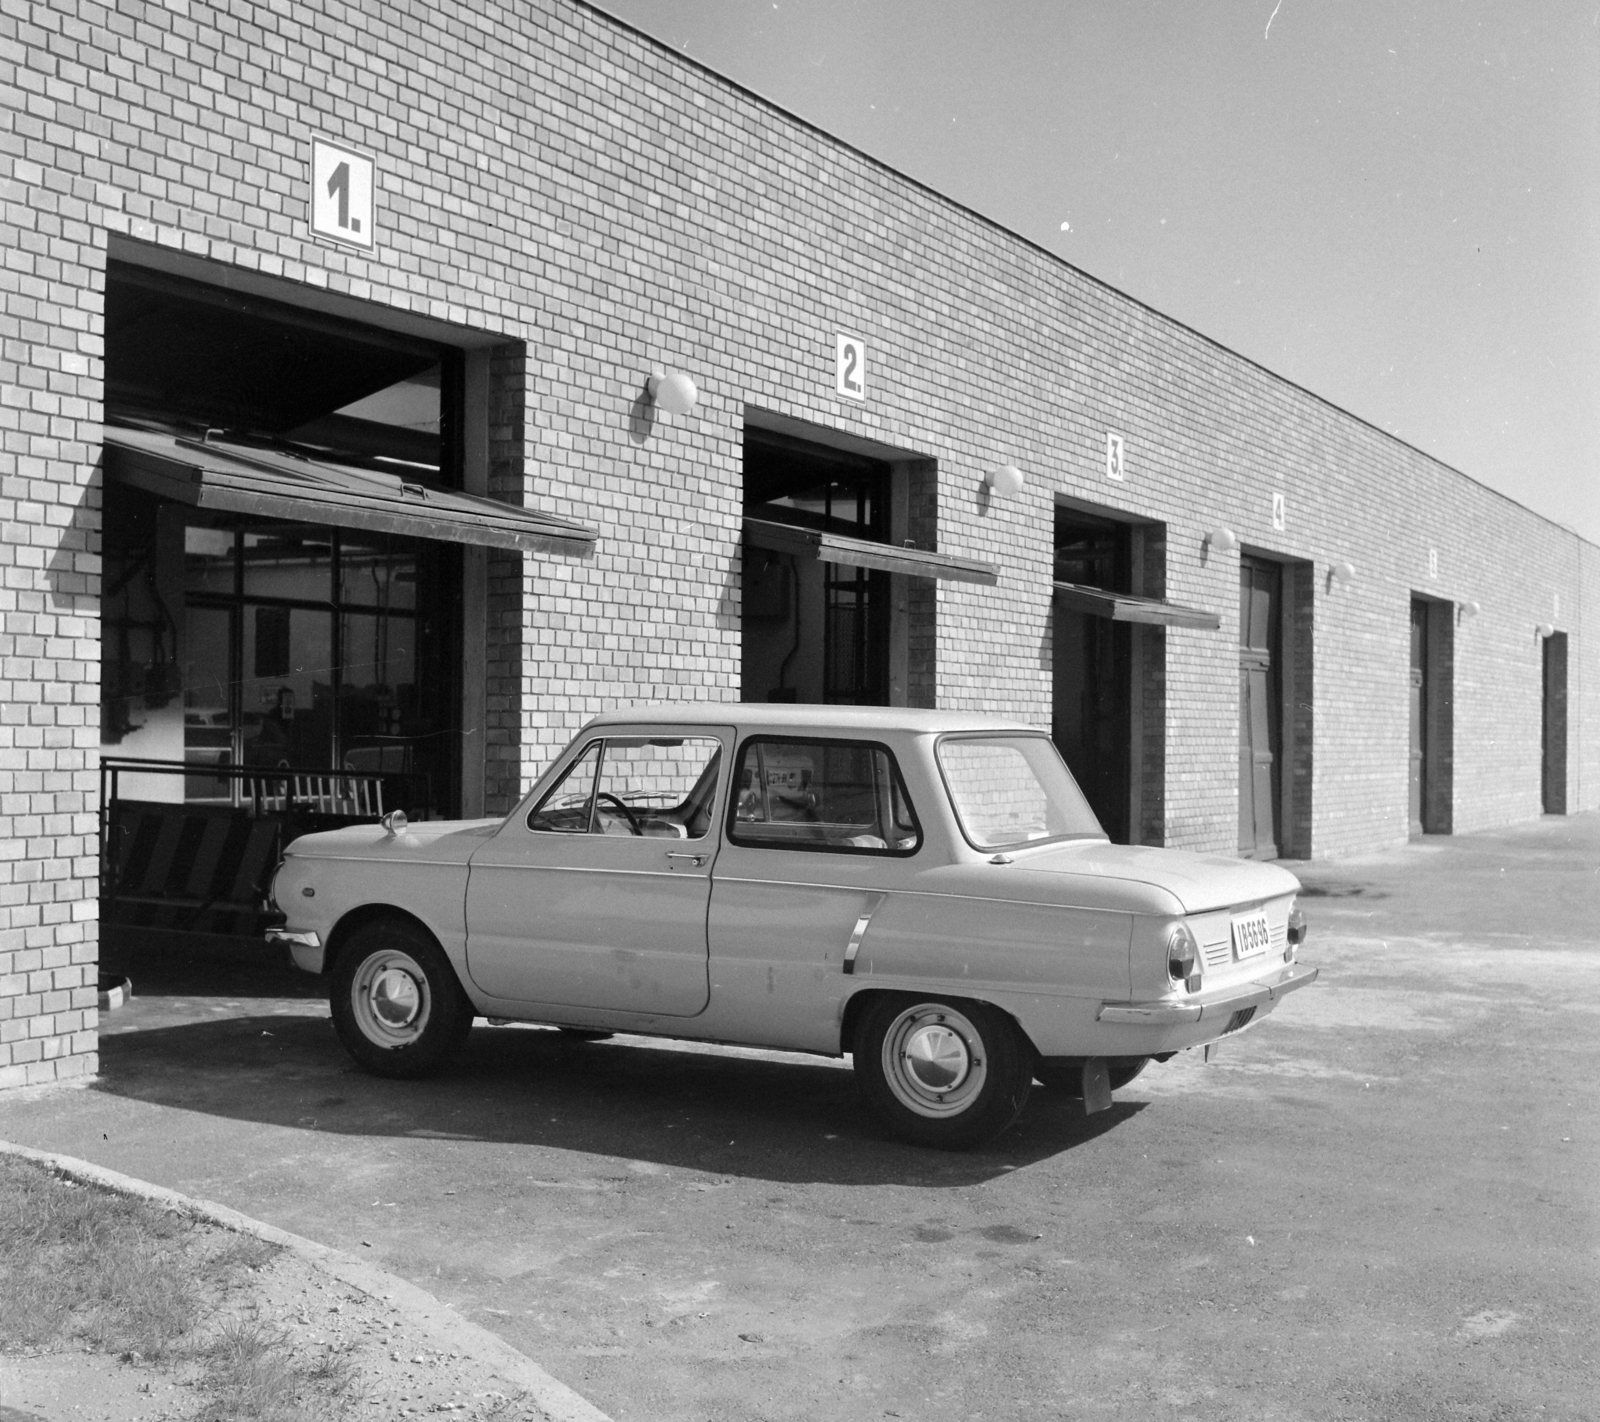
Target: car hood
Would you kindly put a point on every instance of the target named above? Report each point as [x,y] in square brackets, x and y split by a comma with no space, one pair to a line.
[1199,882]
[449,840]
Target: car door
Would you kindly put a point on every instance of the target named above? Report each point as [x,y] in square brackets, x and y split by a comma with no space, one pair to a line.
[596,896]
[821,836]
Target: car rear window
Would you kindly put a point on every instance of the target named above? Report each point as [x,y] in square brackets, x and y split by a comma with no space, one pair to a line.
[844,796]
[1013,790]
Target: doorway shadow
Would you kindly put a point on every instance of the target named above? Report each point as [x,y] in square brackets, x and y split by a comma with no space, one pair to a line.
[780,1121]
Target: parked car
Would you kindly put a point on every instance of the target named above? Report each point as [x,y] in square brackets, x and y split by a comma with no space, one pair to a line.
[928,891]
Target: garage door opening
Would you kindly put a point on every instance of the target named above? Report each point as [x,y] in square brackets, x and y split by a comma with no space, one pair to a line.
[838,569]
[1553,740]
[1275,707]
[286,636]
[1430,793]
[1108,639]
[238,639]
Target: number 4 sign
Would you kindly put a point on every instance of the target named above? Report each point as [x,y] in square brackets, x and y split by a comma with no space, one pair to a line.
[341,193]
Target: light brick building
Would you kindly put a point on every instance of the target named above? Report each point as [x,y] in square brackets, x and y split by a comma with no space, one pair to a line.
[560,207]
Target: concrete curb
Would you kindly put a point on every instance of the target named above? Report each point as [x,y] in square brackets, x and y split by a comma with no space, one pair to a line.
[554,1398]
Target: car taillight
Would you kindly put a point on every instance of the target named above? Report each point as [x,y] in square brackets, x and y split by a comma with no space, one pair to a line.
[1296,934]
[1183,957]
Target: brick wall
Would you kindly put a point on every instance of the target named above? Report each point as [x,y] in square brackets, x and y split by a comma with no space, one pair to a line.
[51,286]
[603,206]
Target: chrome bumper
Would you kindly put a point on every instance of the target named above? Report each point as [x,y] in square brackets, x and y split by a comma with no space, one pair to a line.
[304,946]
[1222,1003]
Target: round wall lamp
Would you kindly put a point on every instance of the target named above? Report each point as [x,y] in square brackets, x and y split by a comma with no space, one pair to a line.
[1006,482]
[1342,573]
[672,392]
[1469,609]
[1222,539]
[1546,629]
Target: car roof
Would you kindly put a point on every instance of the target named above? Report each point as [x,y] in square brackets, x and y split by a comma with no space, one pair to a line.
[784,716]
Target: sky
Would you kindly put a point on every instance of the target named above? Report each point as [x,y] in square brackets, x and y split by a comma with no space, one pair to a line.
[1394,203]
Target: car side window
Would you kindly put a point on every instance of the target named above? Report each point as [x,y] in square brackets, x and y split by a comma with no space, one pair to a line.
[654,787]
[832,795]
[658,787]
[568,806]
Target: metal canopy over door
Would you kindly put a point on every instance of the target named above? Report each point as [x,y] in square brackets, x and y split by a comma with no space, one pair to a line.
[1260,706]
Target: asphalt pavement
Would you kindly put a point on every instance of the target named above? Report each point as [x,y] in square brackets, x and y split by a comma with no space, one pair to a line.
[1379,1203]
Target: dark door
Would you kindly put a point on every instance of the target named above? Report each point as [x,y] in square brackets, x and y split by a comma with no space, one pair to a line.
[1554,748]
[814,632]
[1092,660]
[1260,706]
[1419,713]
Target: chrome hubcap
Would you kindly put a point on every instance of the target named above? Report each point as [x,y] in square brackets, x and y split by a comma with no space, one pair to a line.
[390,998]
[936,1057]
[933,1060]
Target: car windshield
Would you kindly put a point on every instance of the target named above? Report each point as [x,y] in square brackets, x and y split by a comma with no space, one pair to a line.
[1013,790]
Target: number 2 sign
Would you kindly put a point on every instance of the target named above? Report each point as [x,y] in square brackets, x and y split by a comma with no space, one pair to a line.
[852,367]
[341,193]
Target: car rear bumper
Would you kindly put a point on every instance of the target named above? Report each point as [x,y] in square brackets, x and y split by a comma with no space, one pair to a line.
[1172,1025]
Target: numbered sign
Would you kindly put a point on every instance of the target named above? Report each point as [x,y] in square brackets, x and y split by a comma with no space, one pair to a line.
[1280,512]
[341,193]
[1114,468]
[852,367]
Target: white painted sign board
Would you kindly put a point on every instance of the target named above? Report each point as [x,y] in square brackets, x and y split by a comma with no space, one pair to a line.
[1114,468]
[341,193]
[1280,512]
[851,369]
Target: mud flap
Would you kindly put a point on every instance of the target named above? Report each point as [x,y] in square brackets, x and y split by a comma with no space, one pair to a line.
[1212,1050]
[1096,1086]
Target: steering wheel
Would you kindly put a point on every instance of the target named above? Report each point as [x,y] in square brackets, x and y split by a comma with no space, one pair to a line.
[627,814]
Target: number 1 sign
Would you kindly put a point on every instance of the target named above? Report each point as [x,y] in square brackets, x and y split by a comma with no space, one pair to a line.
[341,193]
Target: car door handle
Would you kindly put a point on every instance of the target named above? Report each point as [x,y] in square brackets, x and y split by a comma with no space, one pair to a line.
[696,859]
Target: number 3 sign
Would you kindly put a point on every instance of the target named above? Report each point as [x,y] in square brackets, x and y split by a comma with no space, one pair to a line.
[341,194]
[851,374]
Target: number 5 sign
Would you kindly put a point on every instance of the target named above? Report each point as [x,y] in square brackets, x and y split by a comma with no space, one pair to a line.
[341,193]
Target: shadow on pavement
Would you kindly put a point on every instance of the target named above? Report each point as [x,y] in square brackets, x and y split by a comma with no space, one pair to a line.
[704,1110]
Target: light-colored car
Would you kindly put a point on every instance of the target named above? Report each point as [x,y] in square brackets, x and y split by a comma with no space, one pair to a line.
[926,890]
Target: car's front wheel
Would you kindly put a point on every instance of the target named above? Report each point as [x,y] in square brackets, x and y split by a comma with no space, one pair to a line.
[397,1005]
[950,1074]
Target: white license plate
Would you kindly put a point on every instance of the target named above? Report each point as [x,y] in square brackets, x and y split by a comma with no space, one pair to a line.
[1251,934]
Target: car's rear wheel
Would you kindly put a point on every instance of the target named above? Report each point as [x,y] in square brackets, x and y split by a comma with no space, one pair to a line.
[1064,1075]
[942,1073]
[397,1005]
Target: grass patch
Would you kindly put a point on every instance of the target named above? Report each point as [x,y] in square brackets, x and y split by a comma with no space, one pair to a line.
[81,1266]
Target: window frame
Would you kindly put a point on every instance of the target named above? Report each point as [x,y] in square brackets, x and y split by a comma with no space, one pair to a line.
[731,823]
[560,780]
[604,741]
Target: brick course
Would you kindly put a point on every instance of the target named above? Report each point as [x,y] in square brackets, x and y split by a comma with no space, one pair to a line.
[603,206]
